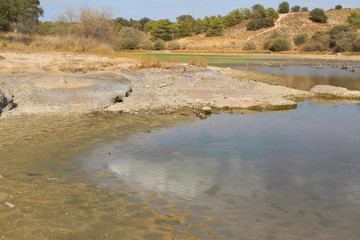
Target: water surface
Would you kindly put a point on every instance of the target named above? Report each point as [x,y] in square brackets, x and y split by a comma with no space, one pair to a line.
[275,175]
[306,77]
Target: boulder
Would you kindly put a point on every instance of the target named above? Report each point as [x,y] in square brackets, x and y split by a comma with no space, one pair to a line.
[207,110]
[334,92]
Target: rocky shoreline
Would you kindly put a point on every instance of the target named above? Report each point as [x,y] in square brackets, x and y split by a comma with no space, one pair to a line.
[176,88]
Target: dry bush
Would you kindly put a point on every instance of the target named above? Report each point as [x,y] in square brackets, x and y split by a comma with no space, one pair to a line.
[17,41]
[149,62]
[87,23]
[199,62]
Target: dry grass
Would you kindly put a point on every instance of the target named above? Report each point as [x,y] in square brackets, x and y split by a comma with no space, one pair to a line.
[199,62]
[150,62]
[21,42]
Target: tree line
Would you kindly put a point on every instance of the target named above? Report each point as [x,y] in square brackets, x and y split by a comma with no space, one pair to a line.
[23,16]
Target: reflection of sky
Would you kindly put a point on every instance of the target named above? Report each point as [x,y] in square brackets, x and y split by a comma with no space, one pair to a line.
[308,153]
[302,77]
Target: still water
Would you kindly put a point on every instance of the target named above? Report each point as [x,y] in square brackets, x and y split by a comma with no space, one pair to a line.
[306,77]
[274,175]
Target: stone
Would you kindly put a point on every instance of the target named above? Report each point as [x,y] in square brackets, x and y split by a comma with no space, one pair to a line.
[202,116]
[207,110]
[3,101]
[10,205]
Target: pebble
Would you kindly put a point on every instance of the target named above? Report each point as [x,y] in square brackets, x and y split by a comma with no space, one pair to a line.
[1,177]
[52,179]
[10,205]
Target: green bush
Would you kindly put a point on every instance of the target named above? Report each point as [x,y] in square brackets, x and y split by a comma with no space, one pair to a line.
[300,39]
[295,8]
[314,47]
[284,7]
[256,24]
[345,41]
[318,15]
[174,45]
[278,44]
[127,44]
[338,7]
[249,45]
[147,45]
[354,19]
[356,45]
[159,44]
[129,38]
[337,33]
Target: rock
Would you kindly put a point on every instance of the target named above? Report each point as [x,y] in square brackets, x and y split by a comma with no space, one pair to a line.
[1,177]
[207,110]
[202,116]
[3,101]
[334,92]
[10,205]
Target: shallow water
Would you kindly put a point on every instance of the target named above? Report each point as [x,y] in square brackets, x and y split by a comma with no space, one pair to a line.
[275,175]
[306,77]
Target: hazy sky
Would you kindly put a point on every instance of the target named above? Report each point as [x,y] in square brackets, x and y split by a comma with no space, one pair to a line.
[160,9]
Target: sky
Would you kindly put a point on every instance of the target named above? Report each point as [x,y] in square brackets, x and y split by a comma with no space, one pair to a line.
[170,9]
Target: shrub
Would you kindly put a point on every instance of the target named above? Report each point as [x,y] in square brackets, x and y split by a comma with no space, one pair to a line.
[338,7]
[318,15]
[126,44]
[249,45]
[354,19]
[159,44]
[345,41]
[356,45]
[313,47]
[278,44]
[174,45]
[300,39]
[284,7]
[147,45]
[256,24]
[295,8]
[129,38]
[337,32]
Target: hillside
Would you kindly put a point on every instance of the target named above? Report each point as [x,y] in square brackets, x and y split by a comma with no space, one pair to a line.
[289,24]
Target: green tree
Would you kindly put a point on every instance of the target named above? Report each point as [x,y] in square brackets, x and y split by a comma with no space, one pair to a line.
[284,7]
[143,21]
[295,8]
[19,14]
[318,15]
[233,18]
[354,19]
[338,7]
[215,27]
[271,13]
[304,9]
[258,11]
[247,13]
[162,29]
[185,25]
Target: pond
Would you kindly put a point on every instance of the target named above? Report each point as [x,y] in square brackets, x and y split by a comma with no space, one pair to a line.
[274,175]
[306,77]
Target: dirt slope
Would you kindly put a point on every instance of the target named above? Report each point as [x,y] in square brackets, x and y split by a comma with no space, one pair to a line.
[289,24]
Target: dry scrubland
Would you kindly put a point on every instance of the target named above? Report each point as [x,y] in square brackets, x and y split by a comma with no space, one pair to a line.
[289,24]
